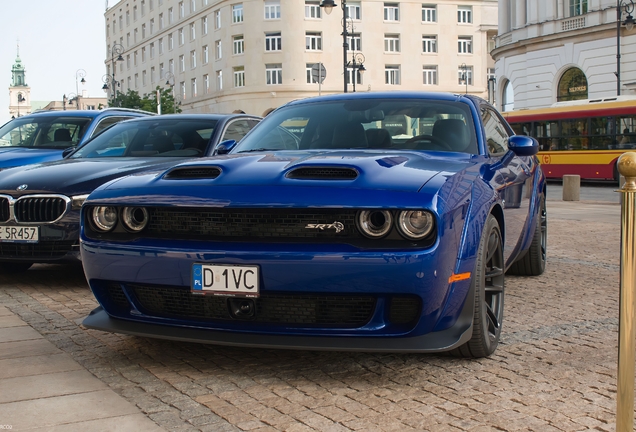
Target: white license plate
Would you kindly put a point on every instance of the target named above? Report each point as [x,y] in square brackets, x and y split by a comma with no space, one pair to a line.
[230,280]
[19,234]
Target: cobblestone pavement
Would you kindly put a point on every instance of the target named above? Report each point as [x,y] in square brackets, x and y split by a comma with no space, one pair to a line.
[555,369]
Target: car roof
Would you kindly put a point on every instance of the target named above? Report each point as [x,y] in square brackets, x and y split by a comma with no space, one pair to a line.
[196,117]
[90,113]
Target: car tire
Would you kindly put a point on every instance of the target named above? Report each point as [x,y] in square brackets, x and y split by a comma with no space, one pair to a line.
[533,262]
[14,267]
[488,286]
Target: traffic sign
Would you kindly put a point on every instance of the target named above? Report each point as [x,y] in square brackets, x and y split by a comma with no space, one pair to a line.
[318,72]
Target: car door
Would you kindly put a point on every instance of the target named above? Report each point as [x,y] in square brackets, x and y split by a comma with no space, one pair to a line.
[512,181]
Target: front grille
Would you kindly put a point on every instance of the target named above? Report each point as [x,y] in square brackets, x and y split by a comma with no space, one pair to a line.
[283,309]
[39,209]
[4,210]
[246,223]
[323,173]
[42,250]
[193,173]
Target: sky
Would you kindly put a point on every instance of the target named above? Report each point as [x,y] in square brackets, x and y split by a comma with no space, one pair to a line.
[57,38]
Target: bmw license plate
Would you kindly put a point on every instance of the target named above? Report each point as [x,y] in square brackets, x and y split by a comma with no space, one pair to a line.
[229,280]
[19,234]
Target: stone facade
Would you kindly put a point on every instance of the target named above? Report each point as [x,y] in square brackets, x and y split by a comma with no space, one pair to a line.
[255,55]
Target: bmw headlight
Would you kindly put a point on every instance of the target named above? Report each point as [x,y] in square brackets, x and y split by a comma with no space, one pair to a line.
[415,224]
[104,218]
[135,218]
[375,223]
[77,201]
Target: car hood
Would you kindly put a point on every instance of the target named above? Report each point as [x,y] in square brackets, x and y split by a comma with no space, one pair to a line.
[400,172]
[74,176]
[18,156]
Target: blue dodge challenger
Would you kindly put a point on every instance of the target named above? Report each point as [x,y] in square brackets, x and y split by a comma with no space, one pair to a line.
[360,221]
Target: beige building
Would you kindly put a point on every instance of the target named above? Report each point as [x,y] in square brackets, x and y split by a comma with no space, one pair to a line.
[255,55]
[551,51]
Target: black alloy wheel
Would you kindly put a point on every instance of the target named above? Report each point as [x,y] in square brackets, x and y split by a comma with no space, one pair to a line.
[488,284]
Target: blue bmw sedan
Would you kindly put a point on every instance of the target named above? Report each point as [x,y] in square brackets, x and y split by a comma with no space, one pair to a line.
[360,221]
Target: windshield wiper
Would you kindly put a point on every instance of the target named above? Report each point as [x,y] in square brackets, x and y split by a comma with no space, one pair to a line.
[257,150]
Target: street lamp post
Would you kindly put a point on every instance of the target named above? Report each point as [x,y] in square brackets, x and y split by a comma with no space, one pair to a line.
[465,75]
[20,99]
[357,65]
[70,98]
[328,5]
[80,73]
[628,6]
[109,80]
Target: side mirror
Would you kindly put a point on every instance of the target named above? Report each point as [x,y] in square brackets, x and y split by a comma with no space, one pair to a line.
[67,151]
[224,147]
[522,145]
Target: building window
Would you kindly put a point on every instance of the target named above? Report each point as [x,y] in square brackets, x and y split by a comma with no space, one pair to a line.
[391,12]
[204,25]
[430,75]
[238,44]
[354,74]
[170,42]
[193,87]
[181,36]
[193,59]
[310,77]
[272,9]
[193,32]
[152,50]
[354,11]
[135,58]
[218,53]
[217,19]
[121,22]
[239,76]
[429,13]
[313,41]
[127,18]
[170,16]
[355,42]
[206,83]
[143,78]
[464,14]
[237,13]
[490,73]
[135,13]
[392,74]
[465,75]
[429,44]
[136,80]
[128,39]
[181,10]
[274,74]
[193,6]
[171,66]
[152,26]
[578,7]
[128,61]
[181,63]
[161,46]
[219,80]
[143,31]
[182,91]
[136,34]
[312,9]
[161,23]
[161,70]
[143,7]
[273,42]
[572,86]
[206,57]
[465,45]
[391,43]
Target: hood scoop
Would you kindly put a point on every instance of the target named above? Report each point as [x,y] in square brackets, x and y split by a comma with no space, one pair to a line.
[189,173]
[322,173]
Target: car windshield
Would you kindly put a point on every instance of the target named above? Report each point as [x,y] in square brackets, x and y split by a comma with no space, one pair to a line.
[44,132]
[398,124]
[159,137]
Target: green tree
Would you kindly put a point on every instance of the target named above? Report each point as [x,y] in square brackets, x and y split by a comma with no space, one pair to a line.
[148,102]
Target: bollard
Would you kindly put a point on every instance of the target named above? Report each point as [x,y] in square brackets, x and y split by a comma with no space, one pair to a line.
[571,187]
[626,323]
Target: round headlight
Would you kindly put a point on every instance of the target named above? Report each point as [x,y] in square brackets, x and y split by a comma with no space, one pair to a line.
[104,218]
[375,223]
[415,224]
[135,218]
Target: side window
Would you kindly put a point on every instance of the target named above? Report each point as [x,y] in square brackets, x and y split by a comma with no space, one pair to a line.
[107,122]
[236,130]
[496,133]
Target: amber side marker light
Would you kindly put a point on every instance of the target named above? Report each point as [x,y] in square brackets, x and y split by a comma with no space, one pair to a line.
[459,277]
